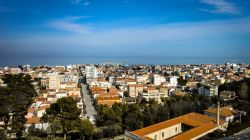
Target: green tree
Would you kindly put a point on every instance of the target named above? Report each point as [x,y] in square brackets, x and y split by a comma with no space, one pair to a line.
[243,91]
[107,116]
[87,129]
[17,97]
[66,112]
[181,81]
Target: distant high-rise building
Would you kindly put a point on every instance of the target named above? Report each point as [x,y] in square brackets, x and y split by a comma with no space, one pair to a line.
[91,72]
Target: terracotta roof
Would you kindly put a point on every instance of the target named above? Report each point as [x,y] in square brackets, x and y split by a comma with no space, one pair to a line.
[115,91]
[97,90]
[102,80]
[108,101]
[40,99]
[201,124]
[129,80]
[51,90]
[109,94]
[33,120]
[43,107]
[150,88]
[179,93]
[43,91]
[119,79]
[196,132]
[51,96]
[224,111]
[109,98]
[137,85]
[72,89]
[71,82]
[47,102]
[31,110]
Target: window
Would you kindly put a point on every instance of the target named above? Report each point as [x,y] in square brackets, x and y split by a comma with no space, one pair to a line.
[176,129]
[162,134]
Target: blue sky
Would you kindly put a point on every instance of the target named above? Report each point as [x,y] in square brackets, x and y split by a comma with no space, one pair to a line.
[124,28]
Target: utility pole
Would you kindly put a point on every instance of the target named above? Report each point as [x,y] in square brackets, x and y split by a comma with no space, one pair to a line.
[218,107]
[218,112]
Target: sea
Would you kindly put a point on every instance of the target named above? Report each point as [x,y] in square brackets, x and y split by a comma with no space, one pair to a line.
[116,60]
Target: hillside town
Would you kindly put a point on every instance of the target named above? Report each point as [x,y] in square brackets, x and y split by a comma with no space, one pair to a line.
[112,85]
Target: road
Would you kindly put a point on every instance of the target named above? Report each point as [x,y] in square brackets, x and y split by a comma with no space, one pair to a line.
[243,132]
[90,110]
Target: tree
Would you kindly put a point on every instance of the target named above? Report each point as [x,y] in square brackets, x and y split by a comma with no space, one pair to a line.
[132,117]
[66,112]
[243,91]
[17,96]
[87,129]
[5,109]
[181,81]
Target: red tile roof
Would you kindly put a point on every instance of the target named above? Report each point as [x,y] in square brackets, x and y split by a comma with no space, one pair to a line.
[201,124]
[31,110]
[43,107]
[33,120]
[224,111]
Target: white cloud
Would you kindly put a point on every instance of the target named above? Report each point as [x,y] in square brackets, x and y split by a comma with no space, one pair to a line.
[161,39]
[76,1]
[67,24]
[221,7]
[168,33]
[86,3]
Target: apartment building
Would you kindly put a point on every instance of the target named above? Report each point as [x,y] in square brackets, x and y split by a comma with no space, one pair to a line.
[157,79]
[54,80]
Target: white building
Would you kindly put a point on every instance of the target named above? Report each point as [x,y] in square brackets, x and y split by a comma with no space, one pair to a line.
[157,79]
[154,96]
[61,94]
[34,123]
[174,81]
[69,78]
[91,72]
[207,90]
[226,113]
[41,110]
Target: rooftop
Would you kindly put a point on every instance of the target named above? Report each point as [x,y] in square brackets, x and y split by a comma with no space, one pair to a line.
[200,123]
[33,120]
[224,111]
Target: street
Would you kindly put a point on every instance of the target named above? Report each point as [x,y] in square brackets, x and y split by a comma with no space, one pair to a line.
[90,110]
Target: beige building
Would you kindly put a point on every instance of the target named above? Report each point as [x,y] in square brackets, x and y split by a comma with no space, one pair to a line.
[134,89]
[153,96]
[54,81]
[142,78]
[247,71]
[15,70]
[227,114]
[190,126]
